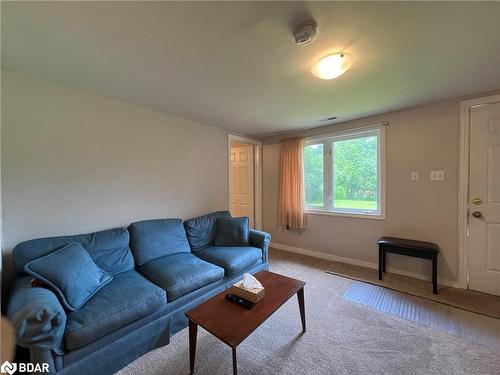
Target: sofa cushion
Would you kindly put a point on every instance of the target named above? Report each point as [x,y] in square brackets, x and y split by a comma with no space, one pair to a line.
[71,273]
[109,249]
[127,298]
[153,239]
[234,259]
[181,273]
[201,231]
[234,231]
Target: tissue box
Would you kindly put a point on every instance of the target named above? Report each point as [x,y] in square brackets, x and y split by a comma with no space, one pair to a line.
[254,295]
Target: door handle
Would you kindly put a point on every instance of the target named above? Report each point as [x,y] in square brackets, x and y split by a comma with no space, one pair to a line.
[477,214]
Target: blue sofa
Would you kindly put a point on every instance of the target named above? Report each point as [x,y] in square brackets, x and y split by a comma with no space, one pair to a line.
[160,268]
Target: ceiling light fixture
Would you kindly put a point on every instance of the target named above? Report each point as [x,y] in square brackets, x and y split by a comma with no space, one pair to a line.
[332,66]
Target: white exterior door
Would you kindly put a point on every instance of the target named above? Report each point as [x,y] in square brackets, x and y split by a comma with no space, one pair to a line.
[242,182]
[484,195]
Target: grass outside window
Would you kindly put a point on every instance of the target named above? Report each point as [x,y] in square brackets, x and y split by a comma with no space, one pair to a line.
[342,173]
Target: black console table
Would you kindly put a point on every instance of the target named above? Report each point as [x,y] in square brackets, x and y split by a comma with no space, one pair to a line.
[413,248]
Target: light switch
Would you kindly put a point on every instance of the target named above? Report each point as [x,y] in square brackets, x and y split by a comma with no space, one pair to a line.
[437,175]
[414,176]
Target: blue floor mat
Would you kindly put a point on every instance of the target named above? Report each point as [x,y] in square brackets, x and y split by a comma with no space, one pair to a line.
[468,325]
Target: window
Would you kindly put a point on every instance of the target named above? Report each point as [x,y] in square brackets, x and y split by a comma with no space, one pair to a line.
[344,172]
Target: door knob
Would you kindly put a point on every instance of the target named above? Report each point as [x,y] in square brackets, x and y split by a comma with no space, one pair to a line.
[477,214]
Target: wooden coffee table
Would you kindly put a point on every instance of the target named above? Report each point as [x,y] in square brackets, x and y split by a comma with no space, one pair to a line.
[232,324]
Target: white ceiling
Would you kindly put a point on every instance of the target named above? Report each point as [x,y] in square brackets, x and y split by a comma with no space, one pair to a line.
[234,64]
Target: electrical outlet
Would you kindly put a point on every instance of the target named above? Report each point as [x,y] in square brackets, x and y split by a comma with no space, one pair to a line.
[414,176]
[437,175]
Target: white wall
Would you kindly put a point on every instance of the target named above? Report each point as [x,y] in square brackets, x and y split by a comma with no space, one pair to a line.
[74,162]
[418,139]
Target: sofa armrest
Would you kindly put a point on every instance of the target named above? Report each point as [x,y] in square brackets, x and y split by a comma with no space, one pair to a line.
[38,318]
[261,240]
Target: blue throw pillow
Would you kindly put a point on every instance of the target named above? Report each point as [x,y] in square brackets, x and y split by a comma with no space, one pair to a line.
[71,273]
[202,230]
[233,231]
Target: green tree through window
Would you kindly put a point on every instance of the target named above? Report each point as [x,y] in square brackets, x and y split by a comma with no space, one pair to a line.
[313,175]
[355,173]
[341,172]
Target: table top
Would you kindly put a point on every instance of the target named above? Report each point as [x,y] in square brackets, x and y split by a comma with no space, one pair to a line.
[410,244]
[232,323]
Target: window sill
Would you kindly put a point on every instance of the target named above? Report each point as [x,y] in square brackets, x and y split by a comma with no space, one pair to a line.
[346,214]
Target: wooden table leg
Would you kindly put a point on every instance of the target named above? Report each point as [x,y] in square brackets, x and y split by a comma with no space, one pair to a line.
[434,275]
[235,364]
[193,332]
[383,260]
[300,297]
[380,263]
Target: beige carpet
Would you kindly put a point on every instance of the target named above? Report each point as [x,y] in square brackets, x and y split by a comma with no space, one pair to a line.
[342,338]
[480,303]
[473,327]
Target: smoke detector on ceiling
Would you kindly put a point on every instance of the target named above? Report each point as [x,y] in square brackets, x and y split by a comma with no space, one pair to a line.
[306,33]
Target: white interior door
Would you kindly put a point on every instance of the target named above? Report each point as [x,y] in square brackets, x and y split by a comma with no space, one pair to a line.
[242,182]
[484,194]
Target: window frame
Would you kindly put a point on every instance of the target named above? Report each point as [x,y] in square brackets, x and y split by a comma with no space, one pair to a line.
[327,140]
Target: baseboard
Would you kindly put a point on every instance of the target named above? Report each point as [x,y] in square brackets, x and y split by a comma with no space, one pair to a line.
[357,262]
